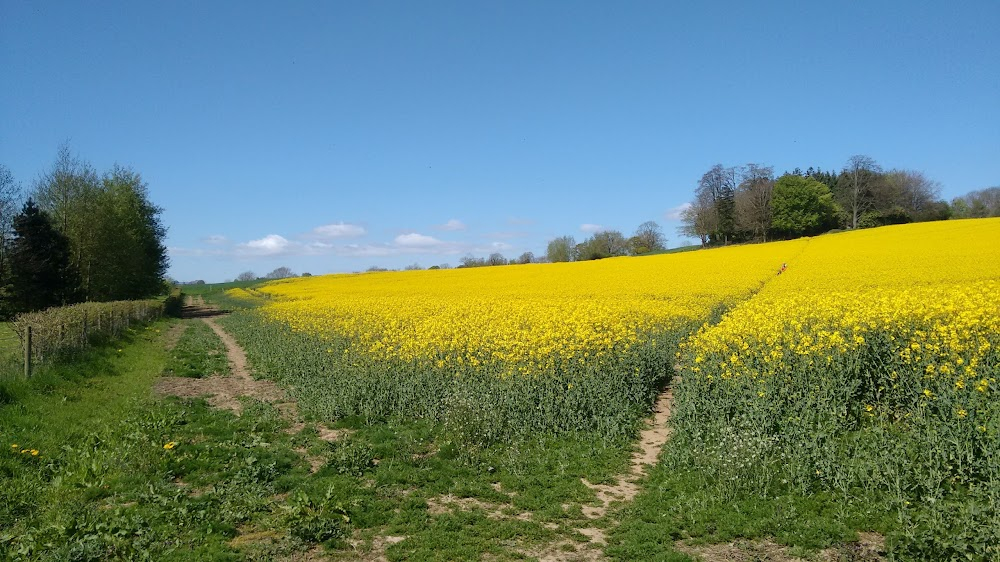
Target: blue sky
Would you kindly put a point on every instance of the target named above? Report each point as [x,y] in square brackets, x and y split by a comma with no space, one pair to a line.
[333,136]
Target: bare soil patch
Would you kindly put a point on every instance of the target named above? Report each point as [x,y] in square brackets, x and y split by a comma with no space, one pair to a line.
[869,548]
[446,504]
[375,551]
[651,441]
[566,551]
[223,392]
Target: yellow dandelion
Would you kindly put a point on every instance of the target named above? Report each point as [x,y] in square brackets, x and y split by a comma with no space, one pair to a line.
[170,445]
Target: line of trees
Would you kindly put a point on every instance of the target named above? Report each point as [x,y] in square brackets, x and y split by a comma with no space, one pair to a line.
[78,236]
[648,238]
[744,203]
[604,244]
[282,272]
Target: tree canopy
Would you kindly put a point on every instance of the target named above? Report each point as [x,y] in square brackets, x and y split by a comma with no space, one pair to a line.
[41,275]
[114,231]
[802,206]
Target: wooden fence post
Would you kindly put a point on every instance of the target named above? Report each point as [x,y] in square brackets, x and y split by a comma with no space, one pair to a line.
[27,353]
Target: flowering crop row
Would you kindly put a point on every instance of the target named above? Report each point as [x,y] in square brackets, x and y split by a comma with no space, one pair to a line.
[870,366]
[525,320]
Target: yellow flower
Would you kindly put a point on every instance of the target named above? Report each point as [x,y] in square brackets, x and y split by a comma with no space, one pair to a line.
[170,445]
[34,452]
[928,393]
[962,413]
[14,445]
[869,407]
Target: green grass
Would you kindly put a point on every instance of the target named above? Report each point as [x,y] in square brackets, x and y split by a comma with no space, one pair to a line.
[11,354]
[9,341]
[199,353]
[215,293]
[215,288]
[122,474]
[683,502]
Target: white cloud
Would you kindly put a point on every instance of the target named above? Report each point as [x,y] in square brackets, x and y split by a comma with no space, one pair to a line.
[270,245]
[452,225]
[414,240]
[323,241]
[592,228]
[677,213]
[338,230]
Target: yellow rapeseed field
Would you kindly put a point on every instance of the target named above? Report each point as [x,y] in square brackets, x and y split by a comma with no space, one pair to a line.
[526,319]
[929,293]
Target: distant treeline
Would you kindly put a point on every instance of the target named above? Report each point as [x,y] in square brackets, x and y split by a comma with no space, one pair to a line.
[747,203]
[78,236]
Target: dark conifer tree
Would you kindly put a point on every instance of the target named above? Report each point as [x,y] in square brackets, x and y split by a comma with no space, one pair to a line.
[41,275]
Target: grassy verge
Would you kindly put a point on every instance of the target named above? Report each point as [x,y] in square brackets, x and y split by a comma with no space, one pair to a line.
[199,353]
[738,496]
[122,475]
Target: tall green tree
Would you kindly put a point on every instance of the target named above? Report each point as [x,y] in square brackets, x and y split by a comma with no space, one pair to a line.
[801,206]
[604,244]
[41,274]
[115,233]
[561,249]
[128,258]
[68,193]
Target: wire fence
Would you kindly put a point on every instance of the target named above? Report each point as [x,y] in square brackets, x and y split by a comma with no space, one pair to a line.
[36,337]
